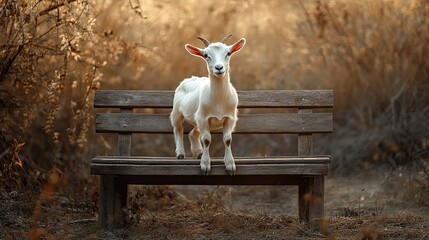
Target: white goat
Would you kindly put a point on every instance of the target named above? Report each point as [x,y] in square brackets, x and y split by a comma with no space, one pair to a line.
[207,103]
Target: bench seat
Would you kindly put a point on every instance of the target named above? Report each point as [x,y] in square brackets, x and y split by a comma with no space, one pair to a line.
[250,166]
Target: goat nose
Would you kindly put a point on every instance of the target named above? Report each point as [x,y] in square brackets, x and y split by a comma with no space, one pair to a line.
[218,67]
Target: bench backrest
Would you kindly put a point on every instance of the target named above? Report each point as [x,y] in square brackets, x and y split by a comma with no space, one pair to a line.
[303,121]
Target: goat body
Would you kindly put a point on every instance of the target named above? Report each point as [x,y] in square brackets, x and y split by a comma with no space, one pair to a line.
[213,100]
[207,103]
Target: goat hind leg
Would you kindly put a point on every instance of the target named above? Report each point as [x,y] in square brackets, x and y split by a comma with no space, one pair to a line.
[194,139]
[177,122]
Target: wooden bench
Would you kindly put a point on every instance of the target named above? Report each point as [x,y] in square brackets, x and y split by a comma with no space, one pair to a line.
[304,170]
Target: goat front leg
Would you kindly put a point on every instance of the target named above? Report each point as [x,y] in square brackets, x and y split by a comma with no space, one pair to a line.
[228,126]
[206,139]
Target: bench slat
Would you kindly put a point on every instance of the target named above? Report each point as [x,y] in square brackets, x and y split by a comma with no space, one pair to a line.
[275,169]
[245,166]
[139,160]
[247,123]
[216,179]
[247,99]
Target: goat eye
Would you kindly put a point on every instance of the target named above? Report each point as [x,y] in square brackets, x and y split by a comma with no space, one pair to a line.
[228,54]
[206,56]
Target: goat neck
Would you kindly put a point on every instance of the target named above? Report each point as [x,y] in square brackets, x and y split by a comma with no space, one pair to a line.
[221,84]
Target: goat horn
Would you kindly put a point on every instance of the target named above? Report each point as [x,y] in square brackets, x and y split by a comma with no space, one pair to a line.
[205,41]
[225,39]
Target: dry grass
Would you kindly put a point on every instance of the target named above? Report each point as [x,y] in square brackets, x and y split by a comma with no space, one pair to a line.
[164,212]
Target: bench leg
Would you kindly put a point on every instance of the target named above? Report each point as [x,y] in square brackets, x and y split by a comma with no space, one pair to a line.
[112,198]
[311,200]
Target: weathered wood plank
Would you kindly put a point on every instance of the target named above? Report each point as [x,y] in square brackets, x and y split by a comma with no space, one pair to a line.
[247,99]
[286,98]
[247,123]
[137,160]
[304,192]
[317,201]
[305,141]
[311,200]
[133,99]
[106,201]
[124,139]
[243,169]
[216,180]
[120,197]
[112,198]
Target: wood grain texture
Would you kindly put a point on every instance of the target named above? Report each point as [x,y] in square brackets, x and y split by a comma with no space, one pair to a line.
[305,141]
[139,160]
[215,179]
[184,170]
[120,197]
[124,139]
[317,201]
[247,99]
[311,200]
[247,123]
[303,200]
[106,201]
[254,166]
[112,198]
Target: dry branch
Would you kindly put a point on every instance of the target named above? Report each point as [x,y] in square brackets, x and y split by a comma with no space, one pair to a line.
[53,7]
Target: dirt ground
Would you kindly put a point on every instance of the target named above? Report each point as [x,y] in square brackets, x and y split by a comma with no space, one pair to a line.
[356,208]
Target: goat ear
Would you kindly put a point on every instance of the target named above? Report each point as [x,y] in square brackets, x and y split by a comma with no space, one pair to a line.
[194,50]
[237,46]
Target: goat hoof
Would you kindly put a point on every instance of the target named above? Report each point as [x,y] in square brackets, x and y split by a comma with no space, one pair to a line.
[205,171]
[180,156]
[230,169]
[199,156]
[230,172]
